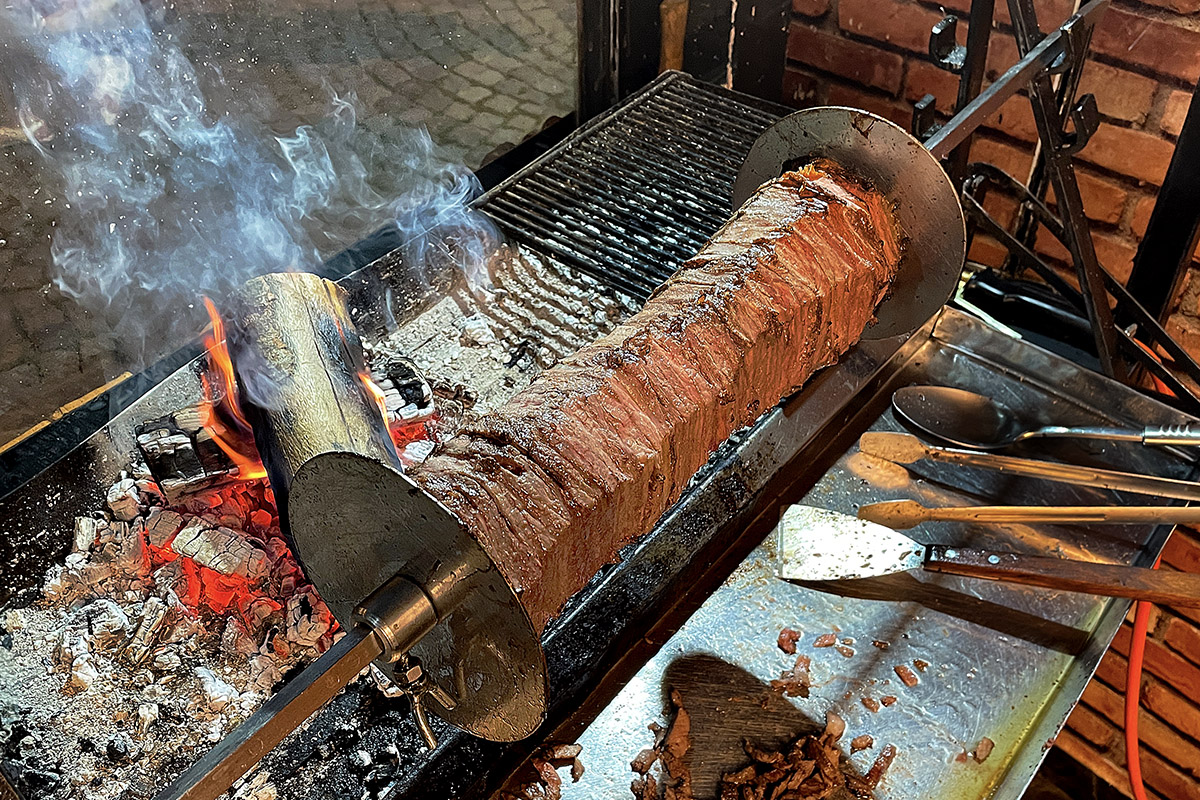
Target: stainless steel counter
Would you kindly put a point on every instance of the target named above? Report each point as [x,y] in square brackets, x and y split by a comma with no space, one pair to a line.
[1004,662]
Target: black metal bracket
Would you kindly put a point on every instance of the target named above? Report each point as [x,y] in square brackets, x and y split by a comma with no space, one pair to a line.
[1085,119]
[924,122]
[1143,329]
[944,49]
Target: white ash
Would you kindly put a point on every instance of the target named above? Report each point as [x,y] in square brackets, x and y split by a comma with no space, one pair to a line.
[118,676]
[478,350]
[110,709]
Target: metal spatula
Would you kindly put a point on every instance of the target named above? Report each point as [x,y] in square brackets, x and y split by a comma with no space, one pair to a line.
[820,545]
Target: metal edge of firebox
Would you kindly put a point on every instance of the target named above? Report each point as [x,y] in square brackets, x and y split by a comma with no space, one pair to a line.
[952,331]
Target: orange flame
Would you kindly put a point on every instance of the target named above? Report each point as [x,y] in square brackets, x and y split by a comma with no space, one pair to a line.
[220,412]
[376,394]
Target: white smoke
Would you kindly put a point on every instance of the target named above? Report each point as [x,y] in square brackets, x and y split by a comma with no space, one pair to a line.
[165,200]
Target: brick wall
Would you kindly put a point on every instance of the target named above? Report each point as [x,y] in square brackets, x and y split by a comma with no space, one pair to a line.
[1145,61]
[1170,719]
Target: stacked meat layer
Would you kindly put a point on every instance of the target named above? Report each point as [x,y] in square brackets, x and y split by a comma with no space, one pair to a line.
[587,458]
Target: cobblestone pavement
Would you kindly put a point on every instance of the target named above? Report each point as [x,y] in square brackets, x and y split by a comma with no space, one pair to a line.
[477,73]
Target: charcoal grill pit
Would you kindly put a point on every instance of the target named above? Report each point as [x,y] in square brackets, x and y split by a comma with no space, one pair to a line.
[622,202]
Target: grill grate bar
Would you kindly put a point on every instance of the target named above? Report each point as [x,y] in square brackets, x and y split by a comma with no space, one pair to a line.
[635,194]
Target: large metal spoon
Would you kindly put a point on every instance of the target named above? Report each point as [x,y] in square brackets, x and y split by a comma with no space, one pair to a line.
[976,422]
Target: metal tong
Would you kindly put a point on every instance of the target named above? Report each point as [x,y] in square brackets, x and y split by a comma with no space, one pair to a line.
[903,448]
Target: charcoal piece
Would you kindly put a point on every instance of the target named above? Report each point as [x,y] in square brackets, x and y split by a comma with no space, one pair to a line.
[408,380]
[168,451]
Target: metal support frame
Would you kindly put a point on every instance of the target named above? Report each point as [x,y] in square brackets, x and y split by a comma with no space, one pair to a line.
[1166,250]
[1049,70]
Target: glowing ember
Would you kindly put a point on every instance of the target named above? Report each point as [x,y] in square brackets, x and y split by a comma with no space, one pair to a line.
[220,411]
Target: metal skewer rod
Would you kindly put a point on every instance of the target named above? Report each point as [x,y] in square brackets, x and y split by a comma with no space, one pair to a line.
[387,624]
[233,756]
[903,448]
[901,514]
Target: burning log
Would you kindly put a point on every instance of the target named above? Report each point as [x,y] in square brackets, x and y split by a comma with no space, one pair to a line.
[300,369]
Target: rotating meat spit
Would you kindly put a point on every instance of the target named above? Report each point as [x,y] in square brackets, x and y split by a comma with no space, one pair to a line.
[399,571]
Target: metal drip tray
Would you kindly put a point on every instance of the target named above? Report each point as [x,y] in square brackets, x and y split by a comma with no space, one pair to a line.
[992,660]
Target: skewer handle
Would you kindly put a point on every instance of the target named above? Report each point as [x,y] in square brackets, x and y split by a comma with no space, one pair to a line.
[1110,580]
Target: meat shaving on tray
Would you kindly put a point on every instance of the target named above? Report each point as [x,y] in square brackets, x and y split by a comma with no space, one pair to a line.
[812,767]
[547,785]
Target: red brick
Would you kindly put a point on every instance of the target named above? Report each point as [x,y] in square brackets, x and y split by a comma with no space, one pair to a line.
[1167,779]
[1178,6]
[1175,111]
[1048,246]
[1001,207]
[986,250]
[1154,44]
[1099,764]
[1103,200]
[1141,215]
[1183,638]
[1015,118]
[1112,669]
[800,89]
[1013,160]
[1115,252]
[810,8]
[846,58]
[1112,251]
[1093,727]
[1002,54]
[1142,156]
[1172,668]
[841,94]
[903,24]
[1182,551]
[1186,331]
[1120,94]
[924,78]
[1179,712]
[1175,747]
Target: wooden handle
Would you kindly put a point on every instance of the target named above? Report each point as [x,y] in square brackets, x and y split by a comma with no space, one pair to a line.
[1110,580]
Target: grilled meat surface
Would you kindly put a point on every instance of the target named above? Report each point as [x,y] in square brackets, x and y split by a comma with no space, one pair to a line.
[590,455]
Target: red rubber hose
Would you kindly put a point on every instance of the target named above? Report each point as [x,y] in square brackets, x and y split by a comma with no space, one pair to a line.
[1133,693]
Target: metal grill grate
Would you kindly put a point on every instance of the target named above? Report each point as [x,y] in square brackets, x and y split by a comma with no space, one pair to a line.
[636,192]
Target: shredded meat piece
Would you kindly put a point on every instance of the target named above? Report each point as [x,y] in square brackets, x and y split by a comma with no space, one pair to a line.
[871,704]
[796,681]
[825,640]
[888,700]
[810,768]
[546,783]
[787,640]
[905,673]
[920,664]
[983,749]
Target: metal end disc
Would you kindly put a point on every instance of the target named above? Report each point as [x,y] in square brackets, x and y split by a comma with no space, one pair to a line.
[887,158]
[356,522]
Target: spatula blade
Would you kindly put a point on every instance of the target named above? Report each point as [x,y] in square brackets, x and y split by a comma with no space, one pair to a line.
[820,545]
